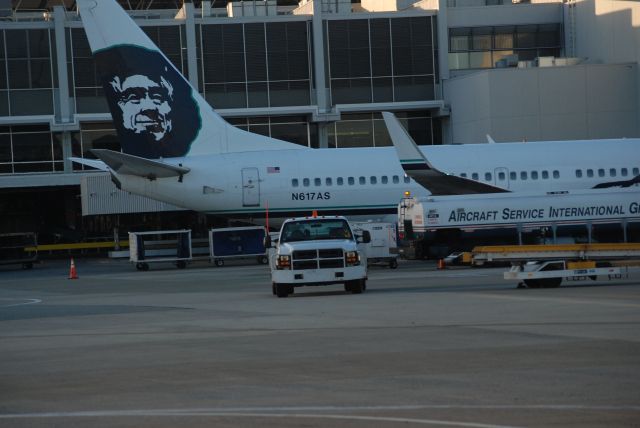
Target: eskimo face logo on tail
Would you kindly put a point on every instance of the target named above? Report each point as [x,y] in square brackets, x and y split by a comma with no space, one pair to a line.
[146,105]
[151,104]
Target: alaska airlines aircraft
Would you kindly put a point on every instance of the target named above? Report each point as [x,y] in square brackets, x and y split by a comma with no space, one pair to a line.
[177,149]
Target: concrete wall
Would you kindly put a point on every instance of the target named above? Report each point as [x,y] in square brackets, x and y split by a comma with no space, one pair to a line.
[509,14]
[607,31]
[549,103]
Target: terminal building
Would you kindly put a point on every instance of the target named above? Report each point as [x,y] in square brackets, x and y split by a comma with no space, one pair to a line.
[317,73]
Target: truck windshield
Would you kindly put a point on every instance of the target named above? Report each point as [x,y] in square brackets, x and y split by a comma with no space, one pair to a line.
[308,230]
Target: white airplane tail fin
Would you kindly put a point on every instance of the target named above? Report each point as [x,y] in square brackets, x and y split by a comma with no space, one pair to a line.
[156,111]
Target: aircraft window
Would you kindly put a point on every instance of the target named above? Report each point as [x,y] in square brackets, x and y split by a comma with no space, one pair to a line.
[374,180]
[556,174]
[475,176]
[589,173]
[513,175]
[351,181]
[487,176]
[624,172]
[305,182]
[545,175]
[601,172]
[384,179]
[407,179]
[636,171]
[294,182]
[340,181]
[328,181]
[362,180]
[317,182]
[502,176]
[523,175]
[463,175]
[579,173]
[612,172]
[534,175]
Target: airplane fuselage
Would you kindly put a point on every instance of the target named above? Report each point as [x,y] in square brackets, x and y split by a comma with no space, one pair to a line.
[371,181]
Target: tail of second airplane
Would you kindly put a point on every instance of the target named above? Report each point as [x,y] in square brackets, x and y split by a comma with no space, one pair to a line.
[156,111]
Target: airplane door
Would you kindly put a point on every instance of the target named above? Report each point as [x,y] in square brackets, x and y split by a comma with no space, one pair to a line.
[250,187]
[501,177]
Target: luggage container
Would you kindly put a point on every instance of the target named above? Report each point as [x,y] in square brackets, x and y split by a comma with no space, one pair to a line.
[169,246]
[237,242]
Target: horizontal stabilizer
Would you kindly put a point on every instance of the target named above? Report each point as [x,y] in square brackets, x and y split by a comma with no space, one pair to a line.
[90,162]
[416,166]
[122,163]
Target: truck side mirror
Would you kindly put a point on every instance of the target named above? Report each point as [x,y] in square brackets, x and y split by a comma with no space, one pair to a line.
[267,241]
[365,238]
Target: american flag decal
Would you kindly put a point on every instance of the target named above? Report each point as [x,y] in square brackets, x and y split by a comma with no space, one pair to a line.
[273,169]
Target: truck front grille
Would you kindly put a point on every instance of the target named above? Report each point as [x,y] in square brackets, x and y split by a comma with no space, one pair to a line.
[305,255]
[305,264]
[313,259]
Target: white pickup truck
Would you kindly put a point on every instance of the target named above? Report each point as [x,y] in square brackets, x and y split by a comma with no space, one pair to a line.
[317,251]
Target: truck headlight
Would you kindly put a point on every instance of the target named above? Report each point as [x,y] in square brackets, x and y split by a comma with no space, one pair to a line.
[351,258]
[283,262]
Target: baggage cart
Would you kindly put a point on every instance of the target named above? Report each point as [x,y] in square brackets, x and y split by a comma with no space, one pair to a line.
[18,248]
[237,242]
[169,246]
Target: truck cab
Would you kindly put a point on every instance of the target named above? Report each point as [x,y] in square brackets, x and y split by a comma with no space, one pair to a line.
[312,251]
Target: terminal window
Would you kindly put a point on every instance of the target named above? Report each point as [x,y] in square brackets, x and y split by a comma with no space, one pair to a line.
[484,47]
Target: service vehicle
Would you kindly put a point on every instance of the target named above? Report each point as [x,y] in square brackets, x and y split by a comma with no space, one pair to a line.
[382,249]
[311,251]
[436,226]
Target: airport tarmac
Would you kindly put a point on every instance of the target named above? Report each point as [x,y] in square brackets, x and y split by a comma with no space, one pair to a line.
[212,347]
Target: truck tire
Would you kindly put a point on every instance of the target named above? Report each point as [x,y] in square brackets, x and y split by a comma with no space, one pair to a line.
[283,290]
[551,282]
[393,264]
[263,260]
[543,282]
[356,286]
[219,262]
[181,264]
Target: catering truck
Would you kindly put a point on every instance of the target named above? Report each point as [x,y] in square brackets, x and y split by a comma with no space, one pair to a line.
[435,226]
[313,251]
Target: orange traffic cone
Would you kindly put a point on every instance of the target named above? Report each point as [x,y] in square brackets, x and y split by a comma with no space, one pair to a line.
[441,264]
[72,270]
